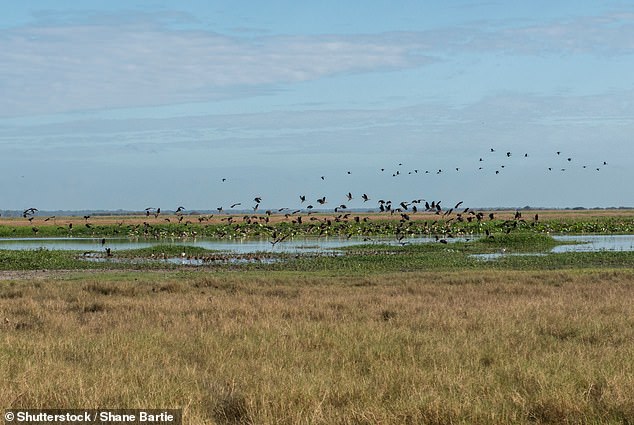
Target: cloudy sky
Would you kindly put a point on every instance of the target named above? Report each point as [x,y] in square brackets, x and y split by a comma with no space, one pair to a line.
[130,104]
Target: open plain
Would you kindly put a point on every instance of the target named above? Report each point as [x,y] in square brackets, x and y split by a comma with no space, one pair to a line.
[391,334]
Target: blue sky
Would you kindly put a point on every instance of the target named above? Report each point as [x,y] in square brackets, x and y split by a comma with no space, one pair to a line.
[124,104]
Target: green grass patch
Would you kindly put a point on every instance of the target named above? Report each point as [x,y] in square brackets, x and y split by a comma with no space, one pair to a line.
[42,259]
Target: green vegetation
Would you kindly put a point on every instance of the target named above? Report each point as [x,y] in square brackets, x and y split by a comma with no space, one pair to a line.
[391,334]
[360,259]
[319,225]
[41,259]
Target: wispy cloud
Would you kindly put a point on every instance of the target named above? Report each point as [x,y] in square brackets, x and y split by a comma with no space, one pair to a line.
[58,68]
[96,62]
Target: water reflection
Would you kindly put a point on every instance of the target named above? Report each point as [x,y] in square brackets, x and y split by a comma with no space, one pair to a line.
[585,243]
[239,246]
[595,243]
[575,243]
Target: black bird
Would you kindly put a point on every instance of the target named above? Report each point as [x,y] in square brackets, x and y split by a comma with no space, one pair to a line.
[458,204]
[302,198]
[257,199]
[322,201]
[29,211]
[365,197]
[179,209]
[235,205]
[349,196]
[508,154]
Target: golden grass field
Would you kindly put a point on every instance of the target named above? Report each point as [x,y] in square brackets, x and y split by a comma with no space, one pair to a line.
[104,220]
[476,347]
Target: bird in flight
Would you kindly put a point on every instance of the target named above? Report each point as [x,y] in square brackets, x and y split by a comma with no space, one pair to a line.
[29,211]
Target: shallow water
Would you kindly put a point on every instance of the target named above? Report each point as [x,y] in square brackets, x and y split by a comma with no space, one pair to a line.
[586,243]
[595,243]
[495,255]
[99,258]
[238,246]
[577,243]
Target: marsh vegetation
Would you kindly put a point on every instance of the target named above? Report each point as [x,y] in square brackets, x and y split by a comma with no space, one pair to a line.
[394,334]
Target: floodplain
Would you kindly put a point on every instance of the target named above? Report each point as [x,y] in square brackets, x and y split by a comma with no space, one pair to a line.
[391,333]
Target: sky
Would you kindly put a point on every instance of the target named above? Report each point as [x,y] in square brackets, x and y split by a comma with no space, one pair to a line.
[203,104]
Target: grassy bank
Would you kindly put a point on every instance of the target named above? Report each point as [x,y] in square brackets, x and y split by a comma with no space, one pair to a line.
[475,347]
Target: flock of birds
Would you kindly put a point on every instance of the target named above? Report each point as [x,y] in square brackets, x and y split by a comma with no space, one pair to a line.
[305,211]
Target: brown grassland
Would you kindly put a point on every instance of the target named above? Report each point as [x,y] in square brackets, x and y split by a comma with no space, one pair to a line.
[476,347]
[107,220]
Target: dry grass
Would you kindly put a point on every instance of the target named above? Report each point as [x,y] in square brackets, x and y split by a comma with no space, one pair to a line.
[544,215]
[419,348]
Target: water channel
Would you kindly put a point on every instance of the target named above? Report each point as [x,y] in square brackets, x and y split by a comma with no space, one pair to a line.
[580,243]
